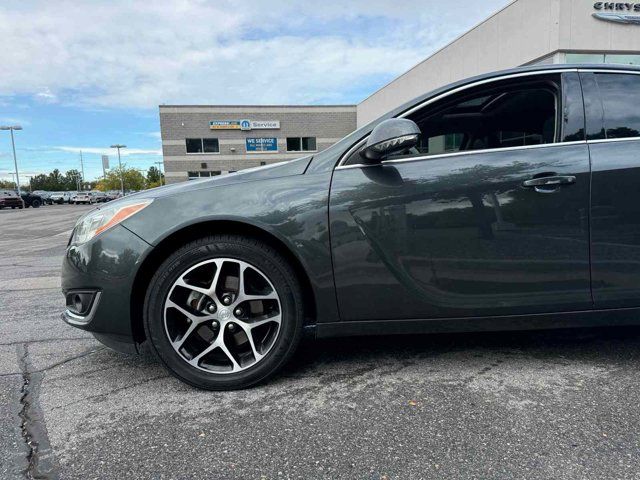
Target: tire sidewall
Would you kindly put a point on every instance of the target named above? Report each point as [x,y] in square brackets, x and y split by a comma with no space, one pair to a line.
[281,277]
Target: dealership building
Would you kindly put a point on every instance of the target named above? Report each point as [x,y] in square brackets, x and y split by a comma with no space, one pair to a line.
[210,140]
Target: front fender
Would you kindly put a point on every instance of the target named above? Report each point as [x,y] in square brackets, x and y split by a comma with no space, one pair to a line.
[293,209]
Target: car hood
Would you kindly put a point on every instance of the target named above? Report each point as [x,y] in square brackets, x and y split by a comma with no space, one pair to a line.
[275,170]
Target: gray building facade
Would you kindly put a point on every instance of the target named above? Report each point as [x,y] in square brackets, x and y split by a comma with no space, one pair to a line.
[201,141]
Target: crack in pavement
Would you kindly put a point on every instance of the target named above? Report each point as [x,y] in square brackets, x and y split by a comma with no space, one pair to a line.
[70,359]
[41,462]
[112,391]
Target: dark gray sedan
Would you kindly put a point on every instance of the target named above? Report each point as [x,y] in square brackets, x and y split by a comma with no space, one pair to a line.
[505,201]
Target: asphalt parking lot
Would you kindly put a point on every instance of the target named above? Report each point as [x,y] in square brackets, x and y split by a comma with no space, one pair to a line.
[560,404]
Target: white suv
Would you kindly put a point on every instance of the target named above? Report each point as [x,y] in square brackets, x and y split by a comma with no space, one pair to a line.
[60,197]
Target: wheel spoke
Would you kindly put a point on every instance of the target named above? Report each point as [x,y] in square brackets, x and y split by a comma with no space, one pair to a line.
[241,281]
[214,282]
[226,351]
[189,331]
[184,284]
[268,296]
[274,319]
[247,331]
[188,314]
[194,361]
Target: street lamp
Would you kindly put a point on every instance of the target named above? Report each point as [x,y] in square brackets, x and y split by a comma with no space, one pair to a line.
[11,128]
[160,169]
[118,146]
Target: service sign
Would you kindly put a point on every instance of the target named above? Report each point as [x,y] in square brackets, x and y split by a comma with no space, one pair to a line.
[263,144]
[259,124]
[265,124]
[225,125]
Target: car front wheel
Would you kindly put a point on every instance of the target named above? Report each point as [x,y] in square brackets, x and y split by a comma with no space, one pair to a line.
[224,312]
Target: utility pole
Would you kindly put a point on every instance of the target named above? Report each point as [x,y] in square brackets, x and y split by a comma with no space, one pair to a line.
[119,146]
[11,128]
[161,174]
[82,169]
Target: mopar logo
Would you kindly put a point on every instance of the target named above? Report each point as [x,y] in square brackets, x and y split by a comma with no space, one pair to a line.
[618,12]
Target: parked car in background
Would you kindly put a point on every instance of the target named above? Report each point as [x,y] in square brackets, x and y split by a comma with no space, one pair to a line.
[32,200]
[61,197]
[9,199]
[84,198]
[113,195]
[90,197]
[99,197]
[46,196]
[72,198]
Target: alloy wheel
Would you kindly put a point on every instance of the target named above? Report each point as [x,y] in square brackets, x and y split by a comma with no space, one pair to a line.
[222,315]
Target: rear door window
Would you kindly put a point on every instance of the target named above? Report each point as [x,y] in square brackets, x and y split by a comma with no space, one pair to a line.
[620,95]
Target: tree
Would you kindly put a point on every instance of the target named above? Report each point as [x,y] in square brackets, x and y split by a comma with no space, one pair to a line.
[133,180]
[7,185]
[71,179]
[154,177]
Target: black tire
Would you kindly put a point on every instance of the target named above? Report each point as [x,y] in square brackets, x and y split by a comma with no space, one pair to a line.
[35,204]
[250,250]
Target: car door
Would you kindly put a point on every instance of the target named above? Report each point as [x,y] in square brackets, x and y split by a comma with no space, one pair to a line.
[488,216]
[613,129]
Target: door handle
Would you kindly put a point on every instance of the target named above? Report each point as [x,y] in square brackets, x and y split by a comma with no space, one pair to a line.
[549,184]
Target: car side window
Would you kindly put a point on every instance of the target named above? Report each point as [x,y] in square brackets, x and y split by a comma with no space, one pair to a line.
[503,114]
[513,115]
[620,97]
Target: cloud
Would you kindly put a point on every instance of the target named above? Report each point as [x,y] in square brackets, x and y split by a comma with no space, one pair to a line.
[141,54]
[14,121]
[154,135]
[46,96]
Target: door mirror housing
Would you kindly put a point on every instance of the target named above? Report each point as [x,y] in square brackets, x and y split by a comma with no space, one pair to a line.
[390,136]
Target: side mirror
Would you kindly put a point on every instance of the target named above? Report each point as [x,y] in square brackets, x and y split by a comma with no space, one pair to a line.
[391,136]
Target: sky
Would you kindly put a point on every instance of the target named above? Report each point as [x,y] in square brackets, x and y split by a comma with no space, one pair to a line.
[83,75]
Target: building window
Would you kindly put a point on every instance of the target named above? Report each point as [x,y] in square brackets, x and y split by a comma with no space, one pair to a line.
[203,165]
[210,145]
[263,163]
[301,144]
[194,145]
[633,59]
[202,145]
[196,175]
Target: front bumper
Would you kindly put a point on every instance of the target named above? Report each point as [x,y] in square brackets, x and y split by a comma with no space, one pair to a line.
[106,266]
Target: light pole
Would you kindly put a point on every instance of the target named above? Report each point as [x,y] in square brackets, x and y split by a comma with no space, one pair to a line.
[11,128]
[82,169]
[118,146]
[161,175]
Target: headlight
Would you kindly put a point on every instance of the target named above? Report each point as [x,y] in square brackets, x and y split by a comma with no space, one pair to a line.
[96,222]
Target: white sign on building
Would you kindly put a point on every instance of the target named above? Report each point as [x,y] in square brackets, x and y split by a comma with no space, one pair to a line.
[259,124]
